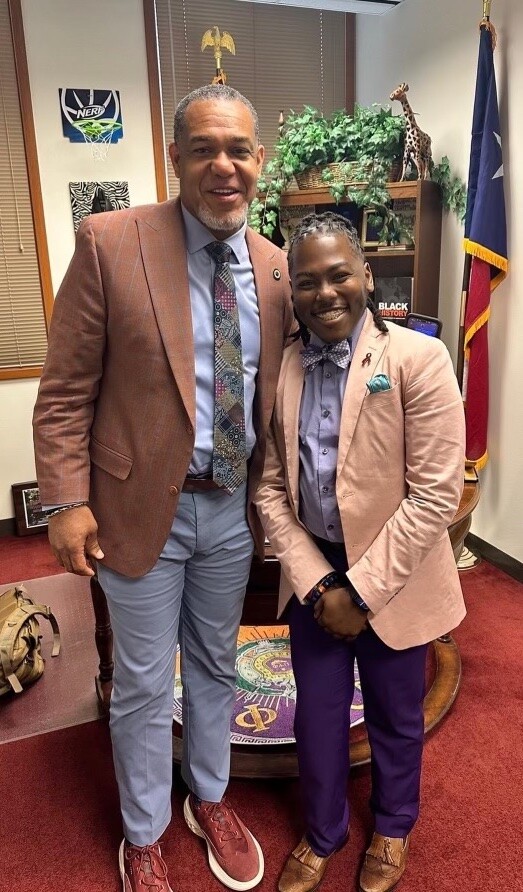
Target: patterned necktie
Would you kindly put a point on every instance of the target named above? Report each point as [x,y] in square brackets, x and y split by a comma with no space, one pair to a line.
[229,458]
[339,353]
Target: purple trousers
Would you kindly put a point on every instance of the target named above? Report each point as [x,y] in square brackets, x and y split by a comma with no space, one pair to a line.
[393,689]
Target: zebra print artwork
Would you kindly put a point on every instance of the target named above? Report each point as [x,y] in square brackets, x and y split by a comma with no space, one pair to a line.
[91,198]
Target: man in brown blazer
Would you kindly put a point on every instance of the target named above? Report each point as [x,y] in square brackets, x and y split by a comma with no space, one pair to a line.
[167,333]
[363,474]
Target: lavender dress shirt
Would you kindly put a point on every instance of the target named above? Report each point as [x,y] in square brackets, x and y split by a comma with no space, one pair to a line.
[319,425]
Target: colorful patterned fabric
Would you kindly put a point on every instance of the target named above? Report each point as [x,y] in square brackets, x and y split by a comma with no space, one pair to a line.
[339,353]
[229,460]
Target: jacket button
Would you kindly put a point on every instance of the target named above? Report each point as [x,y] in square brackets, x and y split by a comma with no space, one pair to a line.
[174,490]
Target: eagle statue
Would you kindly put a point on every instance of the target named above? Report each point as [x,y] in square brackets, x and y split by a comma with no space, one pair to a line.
[218,42]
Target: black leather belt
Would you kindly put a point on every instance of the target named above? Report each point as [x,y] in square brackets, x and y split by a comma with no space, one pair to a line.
[199,484]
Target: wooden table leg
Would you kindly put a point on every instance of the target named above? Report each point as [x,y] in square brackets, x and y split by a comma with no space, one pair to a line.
[103,636]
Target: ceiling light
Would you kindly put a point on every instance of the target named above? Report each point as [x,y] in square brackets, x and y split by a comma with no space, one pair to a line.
[364,7]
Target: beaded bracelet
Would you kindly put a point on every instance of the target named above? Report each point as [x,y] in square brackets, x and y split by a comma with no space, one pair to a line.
[331,580]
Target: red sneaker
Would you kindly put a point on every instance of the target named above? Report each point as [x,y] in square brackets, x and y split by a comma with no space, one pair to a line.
[142,868]
[235,856]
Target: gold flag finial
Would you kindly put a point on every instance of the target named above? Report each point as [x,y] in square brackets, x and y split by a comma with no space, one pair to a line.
[487,24]
[218,41]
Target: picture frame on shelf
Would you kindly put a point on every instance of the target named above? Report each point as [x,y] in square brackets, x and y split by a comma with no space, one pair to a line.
[28,508]
[290,217]
[405,208]
[405,211]
[369,231]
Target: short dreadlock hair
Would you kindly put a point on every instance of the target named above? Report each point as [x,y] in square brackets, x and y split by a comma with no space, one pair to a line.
[329,223]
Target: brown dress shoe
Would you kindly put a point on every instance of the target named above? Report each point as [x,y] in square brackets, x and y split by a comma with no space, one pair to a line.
[384,864]
[304,870]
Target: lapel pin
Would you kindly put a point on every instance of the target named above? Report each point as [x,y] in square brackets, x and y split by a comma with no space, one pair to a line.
[277,274]
[367,359]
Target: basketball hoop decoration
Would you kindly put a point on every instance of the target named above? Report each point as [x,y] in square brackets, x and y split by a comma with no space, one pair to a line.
[218,42]
[93,117]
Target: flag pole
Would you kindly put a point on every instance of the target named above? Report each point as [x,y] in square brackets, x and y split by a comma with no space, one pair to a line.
[460,364]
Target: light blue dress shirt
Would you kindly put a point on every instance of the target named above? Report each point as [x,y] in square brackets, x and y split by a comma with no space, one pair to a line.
[201,277]
[319,427]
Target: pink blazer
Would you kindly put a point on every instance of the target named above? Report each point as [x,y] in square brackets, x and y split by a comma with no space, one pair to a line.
[115,416]
[399,482]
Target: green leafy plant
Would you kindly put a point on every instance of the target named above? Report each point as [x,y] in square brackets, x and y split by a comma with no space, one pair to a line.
[308,139]
[365,145]
[453,189]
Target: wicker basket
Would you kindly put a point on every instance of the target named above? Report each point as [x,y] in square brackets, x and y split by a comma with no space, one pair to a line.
[341,173]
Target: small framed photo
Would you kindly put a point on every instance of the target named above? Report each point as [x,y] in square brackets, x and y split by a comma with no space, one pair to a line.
[28,509]
[405,208]
[290,217]
[370,228]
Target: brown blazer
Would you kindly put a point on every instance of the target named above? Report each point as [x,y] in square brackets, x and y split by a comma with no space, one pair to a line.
[114,421]
[399,482]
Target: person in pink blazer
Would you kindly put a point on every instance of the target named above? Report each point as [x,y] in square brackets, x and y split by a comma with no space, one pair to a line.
[363,474]
[123,428]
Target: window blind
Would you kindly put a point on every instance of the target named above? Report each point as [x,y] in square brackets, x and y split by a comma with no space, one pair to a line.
[285,58]
[23,335]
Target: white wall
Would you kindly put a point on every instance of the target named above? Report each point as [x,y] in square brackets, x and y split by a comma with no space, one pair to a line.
[434,47]
[74,43]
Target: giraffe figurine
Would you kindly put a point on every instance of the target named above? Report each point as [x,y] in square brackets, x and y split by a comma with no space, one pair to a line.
[417,143]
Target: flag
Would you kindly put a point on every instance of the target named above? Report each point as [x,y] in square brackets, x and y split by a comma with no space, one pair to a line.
[486,242]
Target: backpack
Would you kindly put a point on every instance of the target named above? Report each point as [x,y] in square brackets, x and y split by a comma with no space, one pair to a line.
[21,661]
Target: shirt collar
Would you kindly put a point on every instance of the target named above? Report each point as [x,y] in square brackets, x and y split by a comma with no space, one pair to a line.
[197,236]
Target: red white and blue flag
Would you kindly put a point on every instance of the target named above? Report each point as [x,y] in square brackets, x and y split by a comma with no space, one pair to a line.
[486,242]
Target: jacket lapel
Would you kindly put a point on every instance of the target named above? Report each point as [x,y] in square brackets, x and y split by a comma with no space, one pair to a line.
[162,242]
[369,350]
[293,388]
[266,274]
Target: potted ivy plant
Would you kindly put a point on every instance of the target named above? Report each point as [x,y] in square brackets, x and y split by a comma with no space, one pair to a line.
[355,156]
[317,150]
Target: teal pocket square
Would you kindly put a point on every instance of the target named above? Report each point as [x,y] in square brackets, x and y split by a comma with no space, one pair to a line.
[379,382]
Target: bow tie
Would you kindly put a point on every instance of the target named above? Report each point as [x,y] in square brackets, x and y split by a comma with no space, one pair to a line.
[339,353]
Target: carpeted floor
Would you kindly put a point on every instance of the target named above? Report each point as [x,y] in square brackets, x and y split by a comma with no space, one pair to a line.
[60,826]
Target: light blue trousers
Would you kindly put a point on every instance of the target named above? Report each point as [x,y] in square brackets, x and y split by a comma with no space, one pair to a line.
[193,594]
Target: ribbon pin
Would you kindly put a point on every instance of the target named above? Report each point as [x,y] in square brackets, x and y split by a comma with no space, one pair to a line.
[367,359]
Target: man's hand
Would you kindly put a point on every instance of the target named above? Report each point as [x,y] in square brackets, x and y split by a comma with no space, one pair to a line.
[74,540]
[337,613]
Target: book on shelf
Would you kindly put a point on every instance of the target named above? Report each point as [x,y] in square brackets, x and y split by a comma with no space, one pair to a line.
[393,297]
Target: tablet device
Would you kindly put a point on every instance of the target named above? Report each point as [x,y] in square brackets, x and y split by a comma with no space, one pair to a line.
[428,325]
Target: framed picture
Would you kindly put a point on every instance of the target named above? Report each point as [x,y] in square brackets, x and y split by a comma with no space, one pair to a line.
[28,509]
[290,217]
[405,208]
[94,197]
[369,231]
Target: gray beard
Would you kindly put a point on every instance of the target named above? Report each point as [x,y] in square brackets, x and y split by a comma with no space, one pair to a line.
[227,223]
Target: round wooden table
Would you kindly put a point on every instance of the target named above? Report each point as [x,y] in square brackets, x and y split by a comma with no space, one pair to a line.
[260,609]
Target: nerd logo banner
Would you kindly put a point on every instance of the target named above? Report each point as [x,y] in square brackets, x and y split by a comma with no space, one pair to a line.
[91,115]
